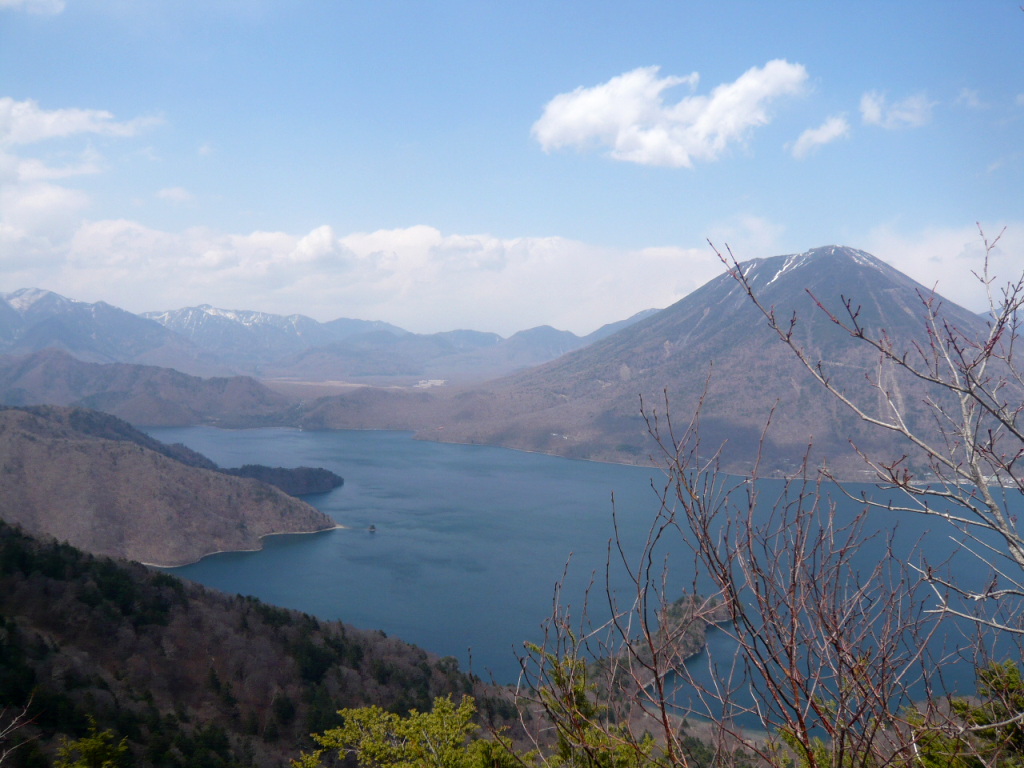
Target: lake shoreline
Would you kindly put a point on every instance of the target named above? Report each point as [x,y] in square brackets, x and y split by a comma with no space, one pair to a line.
[335,527]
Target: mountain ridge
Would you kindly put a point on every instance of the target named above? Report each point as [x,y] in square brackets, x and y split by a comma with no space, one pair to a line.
[105,490]
[208,341]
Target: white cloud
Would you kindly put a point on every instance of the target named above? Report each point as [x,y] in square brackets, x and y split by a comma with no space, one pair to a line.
[834,127]
[419,277]
[205,150]
[970,99]
[175,195]
[912,112]
[33,169]
[35,6]
[1020,99]
[24,122]
[628,115]
[416,277]
[41,211]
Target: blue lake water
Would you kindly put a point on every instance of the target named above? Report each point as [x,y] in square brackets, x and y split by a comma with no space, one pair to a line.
[470,541]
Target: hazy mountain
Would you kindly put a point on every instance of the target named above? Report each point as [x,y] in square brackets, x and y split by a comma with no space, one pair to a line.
[586,403]
[248,338]
[457,357]
[300,348]
[138,393]
[610,328]
[66,474]
[32,319]
[208,341]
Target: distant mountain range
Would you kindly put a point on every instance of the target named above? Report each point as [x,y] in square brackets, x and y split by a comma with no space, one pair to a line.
[571,396]
[207,341]
[298,347]
[33,319]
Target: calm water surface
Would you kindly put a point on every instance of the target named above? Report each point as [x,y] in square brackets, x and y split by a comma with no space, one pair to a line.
[470,541]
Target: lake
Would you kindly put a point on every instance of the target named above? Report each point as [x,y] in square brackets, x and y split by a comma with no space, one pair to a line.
[470,541]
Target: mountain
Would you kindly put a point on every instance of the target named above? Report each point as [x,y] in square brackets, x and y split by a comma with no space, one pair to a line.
[610,328]
[585,404]
[248,339]
[71,474]
[188,676]
[300,348]
[208,341]
[383,358]
[455,357]
[32,319]
[139,394]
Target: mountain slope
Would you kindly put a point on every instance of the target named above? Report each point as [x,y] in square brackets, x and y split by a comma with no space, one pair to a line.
[187,675]
[586,404]
[110,495]
[139,394]
[590,399]
[609,328]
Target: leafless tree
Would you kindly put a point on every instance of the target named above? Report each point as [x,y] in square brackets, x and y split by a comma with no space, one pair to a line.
[828,651]
[12,721]
[974,445]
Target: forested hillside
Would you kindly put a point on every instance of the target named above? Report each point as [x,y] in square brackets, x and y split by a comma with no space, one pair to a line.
[189,676]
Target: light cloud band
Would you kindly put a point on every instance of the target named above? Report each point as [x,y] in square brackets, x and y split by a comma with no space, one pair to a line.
[911,112]
[24,122]
[833,128]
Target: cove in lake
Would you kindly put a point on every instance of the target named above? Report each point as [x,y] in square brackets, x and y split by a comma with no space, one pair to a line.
[470,541]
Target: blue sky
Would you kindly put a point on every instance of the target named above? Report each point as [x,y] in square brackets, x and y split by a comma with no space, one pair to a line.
[495,166]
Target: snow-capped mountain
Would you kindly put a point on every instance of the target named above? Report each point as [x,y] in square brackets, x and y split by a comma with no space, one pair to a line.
[32,319]
[247,336]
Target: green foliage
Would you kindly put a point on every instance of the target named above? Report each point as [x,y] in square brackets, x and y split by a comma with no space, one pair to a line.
[94,750]
[995,735]
[102,582]
[586,736]
[113,611]
[441,738]
[16,677]
[807,756]
[1001,692]
[271,615]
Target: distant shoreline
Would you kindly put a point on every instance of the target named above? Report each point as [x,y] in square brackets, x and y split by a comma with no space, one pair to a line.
[335,527]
